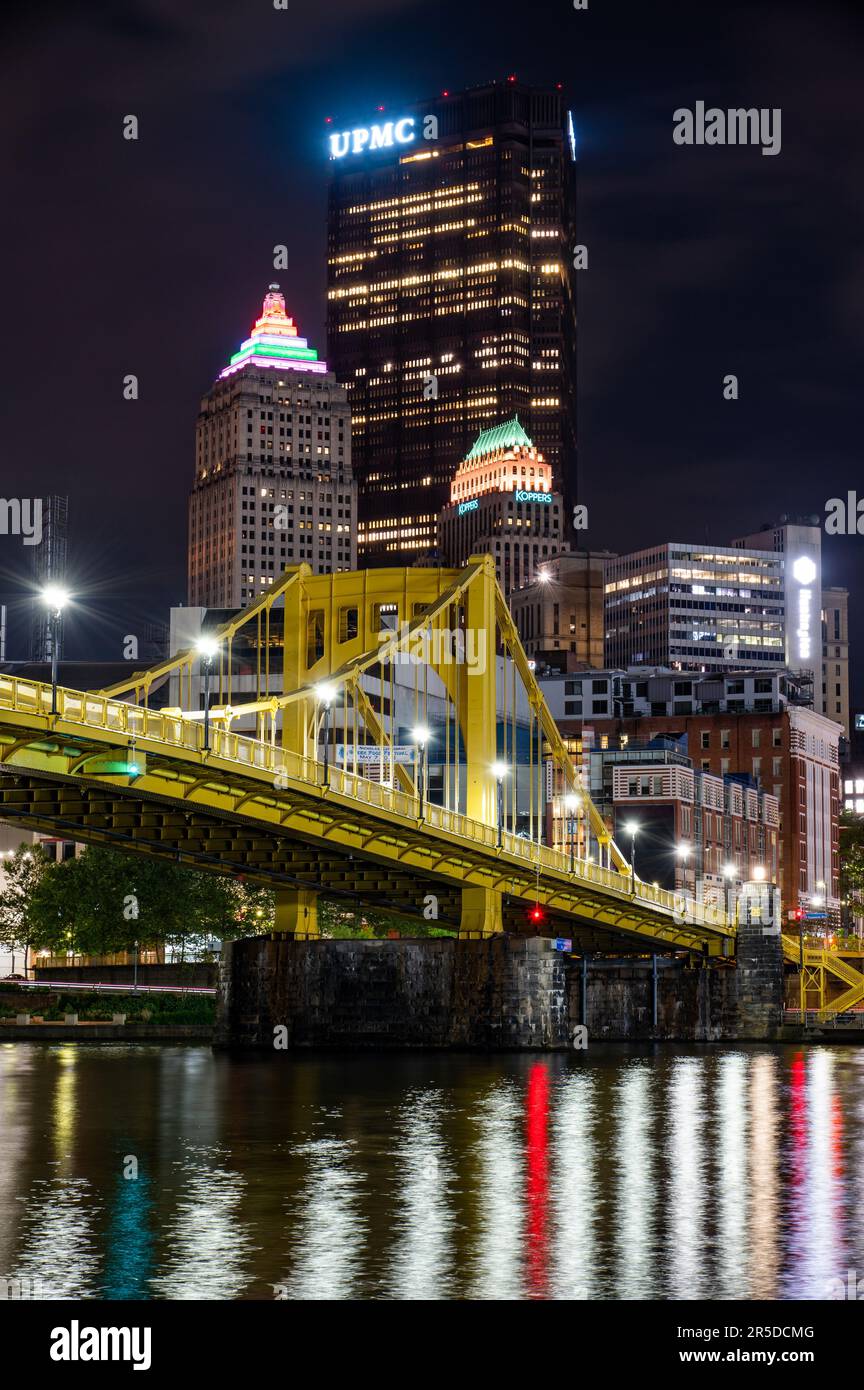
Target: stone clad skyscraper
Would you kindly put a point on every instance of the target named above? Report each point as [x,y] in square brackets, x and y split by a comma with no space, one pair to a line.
[273,483]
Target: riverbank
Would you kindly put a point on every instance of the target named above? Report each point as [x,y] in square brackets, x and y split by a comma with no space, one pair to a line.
[46,1015]
[105,1032]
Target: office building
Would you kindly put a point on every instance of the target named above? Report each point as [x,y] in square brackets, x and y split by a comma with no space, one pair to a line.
[560,615]
[799,541]
[451,295]
[502,504]
[273,481]
[835,657]
[695,607]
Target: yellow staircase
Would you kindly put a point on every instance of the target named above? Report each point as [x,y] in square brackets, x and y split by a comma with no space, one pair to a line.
[819,964]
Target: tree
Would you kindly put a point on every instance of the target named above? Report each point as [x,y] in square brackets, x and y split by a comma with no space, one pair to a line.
[851,868]
[107,901]
[23,872]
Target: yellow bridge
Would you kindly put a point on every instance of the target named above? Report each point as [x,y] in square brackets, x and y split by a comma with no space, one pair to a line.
[296,778]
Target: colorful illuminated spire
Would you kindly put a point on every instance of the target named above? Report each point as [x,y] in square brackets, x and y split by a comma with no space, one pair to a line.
[275,342]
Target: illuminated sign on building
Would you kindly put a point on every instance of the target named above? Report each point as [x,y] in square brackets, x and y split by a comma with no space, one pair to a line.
[804,571]
[522,496]
[468,506]
[373,137]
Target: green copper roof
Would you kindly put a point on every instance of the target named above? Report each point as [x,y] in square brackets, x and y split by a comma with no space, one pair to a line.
[499,438]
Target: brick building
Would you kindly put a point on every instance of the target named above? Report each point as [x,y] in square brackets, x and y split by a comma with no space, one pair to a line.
[788,750]
[697,833]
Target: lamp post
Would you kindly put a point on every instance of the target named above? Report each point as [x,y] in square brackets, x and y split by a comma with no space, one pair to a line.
[326,694]
[499,772]
[632,829]
[683,853]
[728,874]
[571,806]
[420,737]
[55,600]
[207,647]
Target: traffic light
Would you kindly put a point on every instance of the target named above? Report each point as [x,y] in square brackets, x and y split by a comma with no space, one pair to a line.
[537,916]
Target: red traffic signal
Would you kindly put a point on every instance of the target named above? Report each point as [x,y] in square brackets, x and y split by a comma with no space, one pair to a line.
[537,914]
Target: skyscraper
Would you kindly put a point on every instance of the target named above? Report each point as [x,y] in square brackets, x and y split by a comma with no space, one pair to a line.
[451,295]
[273,482]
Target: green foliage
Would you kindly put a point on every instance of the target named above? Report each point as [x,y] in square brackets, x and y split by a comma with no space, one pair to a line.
[24,872]
[851,866]
[338,920]
[105,901]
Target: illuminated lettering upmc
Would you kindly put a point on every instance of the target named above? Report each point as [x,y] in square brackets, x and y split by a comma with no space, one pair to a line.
[372,137]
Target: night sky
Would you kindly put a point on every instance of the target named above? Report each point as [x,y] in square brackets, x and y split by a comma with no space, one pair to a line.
[151,257]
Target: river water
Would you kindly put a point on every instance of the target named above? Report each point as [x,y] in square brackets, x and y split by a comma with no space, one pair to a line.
[635,1173]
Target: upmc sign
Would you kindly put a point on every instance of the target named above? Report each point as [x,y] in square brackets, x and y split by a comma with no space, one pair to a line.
[373,137]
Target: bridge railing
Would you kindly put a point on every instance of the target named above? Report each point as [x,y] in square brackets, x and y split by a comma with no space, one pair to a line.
[135,722]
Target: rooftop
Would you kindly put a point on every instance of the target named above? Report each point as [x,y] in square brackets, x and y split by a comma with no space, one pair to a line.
[509,435]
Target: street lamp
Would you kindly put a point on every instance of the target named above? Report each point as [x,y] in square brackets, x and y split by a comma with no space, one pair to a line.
[499,772]
[683,851]
[631,828]
[55,600]
[420,736]
[207,647]
[326,694]
[728,874]
[571,805]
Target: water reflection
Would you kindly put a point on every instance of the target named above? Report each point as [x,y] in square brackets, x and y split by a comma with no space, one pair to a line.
[422,1259]
[574,1184]
[636,1195]
[615,1174]
[498,1163]
[208,1247]
[329,1229]
[686,1194]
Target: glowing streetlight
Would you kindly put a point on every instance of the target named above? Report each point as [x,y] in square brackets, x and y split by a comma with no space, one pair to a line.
[631,828]
[728,874]
[207,647]
[499,771]
[759,873]
[420,736]
[325,694]
[55,599]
